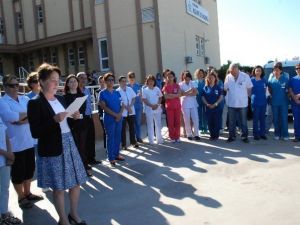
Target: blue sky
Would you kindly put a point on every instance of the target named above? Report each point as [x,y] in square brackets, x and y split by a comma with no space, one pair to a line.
[253,32]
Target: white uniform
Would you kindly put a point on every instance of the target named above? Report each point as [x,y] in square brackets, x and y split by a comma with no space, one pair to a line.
[189,107]
[152,96]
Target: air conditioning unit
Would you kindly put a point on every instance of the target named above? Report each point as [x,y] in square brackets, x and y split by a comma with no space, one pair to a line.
[206,60]
[188,59]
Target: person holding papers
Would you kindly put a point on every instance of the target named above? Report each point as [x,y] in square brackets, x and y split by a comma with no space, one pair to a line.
[78,127]
[59,165]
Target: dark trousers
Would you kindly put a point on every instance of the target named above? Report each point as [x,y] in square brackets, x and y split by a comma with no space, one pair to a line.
[130,120]
[104,133]
[240,115]
[213,121]
[90,142]
[80,138]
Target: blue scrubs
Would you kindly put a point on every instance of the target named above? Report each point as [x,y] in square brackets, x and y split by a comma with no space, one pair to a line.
[201,107]
[211,95]
[294,84]
[222,103]
[113,128]
[259,106]
[279,102]
[138,106]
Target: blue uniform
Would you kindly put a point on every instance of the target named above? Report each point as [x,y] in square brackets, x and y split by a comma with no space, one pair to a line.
[112,127]
[294,84]
[259,105]
[201,107]
[211,95]
[279,102]
[138,106]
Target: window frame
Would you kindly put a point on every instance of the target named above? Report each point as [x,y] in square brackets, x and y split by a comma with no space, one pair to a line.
[101,58]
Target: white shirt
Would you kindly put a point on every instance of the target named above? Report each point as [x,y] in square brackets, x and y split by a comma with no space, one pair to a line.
[127,96]
[57,108]
[237,90]
[19,135]
[188,102]
[152,96]
[2,142]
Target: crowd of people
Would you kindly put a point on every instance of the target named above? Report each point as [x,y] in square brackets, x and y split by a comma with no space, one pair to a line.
[36,132]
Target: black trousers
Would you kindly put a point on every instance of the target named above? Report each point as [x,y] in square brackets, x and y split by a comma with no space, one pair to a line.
[80,138]
[103,132]
[130,121]
[90,141]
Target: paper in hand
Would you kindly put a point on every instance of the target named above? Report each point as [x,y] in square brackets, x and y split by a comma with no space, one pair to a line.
[75,106]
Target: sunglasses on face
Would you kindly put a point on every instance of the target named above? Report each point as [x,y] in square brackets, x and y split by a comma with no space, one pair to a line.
[298,68]
[12,85]
[34,81]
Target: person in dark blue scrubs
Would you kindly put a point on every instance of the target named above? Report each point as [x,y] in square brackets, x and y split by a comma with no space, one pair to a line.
[259,103]
[212,96]
[278,88]
[294,89]
[110,102]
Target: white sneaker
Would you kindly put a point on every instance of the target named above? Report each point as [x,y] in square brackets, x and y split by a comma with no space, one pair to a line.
[285,138]
[276,138]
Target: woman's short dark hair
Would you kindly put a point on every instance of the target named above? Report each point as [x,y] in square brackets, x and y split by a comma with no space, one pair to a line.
[150,77]
[187,74]
[107,75]
[66,87]
[32,77]
[278,65]
[131,74]
[45,70]
[173,74]
[121,77]
[258,67]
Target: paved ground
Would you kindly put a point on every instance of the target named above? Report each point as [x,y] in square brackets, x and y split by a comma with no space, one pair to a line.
[191,183]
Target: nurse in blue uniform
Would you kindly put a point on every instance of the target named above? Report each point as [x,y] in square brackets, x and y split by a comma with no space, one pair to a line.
[294,89]
[259,103]
[212,97]
[110,102]
[278,88]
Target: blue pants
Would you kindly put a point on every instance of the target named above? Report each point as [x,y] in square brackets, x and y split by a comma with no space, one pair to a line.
[213,119]
[138,122]
[296,114]
[280,120]
[237,115]
[4,188]
[259,120]
[113,134]
[202,118]
[221,108]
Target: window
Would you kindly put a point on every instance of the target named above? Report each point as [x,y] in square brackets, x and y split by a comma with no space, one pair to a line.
[53,56]
[148,15]
[19,20]
[200,46]
[81,56]
[71,56]
[103,53]
[2,26]
[31,62]
[40,14]
[99,2]
[46,57]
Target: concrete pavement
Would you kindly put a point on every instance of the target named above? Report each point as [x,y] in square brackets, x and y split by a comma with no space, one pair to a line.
[190,183]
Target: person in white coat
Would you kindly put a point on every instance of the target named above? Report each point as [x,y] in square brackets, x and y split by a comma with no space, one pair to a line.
[189,105]
[151,96]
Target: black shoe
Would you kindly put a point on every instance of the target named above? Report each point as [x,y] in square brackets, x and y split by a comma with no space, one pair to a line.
[263,137]
[197,138]
[245,140]
[256,138]
[230,139]
[296,140]
[190,138]
[136,145]
[95,162]
[140,140]
[73,221]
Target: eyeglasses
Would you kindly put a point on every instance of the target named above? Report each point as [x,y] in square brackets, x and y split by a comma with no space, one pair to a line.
[298,68]
[12,85]
[34,81]
[110,80]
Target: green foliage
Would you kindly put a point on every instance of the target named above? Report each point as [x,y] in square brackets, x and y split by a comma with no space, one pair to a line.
[223,70]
